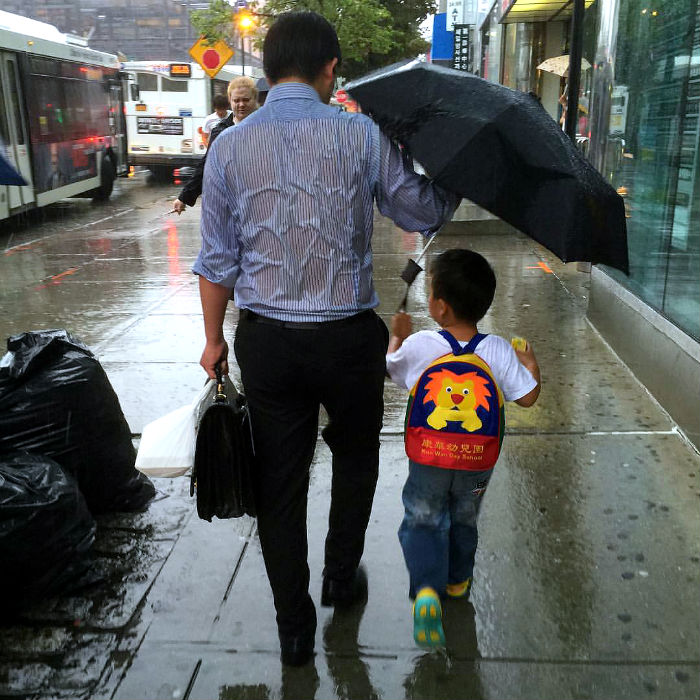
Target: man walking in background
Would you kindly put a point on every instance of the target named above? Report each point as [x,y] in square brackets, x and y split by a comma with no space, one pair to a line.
[287,224]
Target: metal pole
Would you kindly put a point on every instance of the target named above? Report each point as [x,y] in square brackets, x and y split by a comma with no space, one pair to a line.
[575,55]
[242,54]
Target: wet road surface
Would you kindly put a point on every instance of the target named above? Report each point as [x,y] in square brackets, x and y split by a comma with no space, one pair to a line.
[586,584]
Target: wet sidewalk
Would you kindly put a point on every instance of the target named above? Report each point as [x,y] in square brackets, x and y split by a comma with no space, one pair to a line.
[586,583]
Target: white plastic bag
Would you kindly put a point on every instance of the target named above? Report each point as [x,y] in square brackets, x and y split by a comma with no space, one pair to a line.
[167,443]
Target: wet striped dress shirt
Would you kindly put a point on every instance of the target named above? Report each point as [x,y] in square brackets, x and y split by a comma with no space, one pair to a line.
[288,205]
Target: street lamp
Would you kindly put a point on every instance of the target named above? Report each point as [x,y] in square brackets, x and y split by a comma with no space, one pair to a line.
[245,23]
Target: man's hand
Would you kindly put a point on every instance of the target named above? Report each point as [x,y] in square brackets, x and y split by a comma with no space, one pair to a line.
[215,353]
[401,328]
[179,206]
[401,325]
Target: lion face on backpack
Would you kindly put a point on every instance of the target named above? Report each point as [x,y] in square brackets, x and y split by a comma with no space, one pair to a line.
[456,398]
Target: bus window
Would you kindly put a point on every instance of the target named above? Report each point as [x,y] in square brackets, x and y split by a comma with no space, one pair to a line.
[4,132]
[46,98]
[14,101]
[147,82]
[168,85]
[77,114]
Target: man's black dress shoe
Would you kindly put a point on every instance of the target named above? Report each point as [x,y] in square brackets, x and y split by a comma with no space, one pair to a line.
[342,593]
[297,650]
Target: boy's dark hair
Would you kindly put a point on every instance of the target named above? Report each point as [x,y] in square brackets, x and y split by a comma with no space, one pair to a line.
[465,280]
[220,102]
[299,43]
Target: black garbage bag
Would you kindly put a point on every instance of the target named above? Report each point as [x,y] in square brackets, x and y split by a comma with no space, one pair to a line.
[56,400]
[46,530]
[223,458]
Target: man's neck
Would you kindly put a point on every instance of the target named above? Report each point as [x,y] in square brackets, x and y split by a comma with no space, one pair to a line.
[299,79]
[292,79]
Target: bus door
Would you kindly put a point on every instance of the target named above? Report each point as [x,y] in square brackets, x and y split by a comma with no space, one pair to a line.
[17,146]
[4,140]
[117,124]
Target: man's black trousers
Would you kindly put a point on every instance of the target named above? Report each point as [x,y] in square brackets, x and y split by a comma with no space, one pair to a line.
[287,374]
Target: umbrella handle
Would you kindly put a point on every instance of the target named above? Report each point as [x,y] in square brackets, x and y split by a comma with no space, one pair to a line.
[404,301]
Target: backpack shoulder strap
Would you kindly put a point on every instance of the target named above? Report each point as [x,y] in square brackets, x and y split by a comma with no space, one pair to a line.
[457,349]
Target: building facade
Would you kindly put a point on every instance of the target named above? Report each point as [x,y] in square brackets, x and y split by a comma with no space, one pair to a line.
[639,124]
[138,30]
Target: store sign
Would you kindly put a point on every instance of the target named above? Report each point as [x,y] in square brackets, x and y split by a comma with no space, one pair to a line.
[470,12]
[168,126]
[462,47]
[455,9]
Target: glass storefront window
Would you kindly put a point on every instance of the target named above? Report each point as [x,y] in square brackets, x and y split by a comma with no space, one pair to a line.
[523,52]
[491,38]
[651,152]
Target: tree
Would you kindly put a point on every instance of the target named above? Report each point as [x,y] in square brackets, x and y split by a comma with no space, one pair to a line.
[372,33]
[216,22]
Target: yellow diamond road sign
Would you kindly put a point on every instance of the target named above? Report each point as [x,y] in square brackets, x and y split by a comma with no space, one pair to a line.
[211,58]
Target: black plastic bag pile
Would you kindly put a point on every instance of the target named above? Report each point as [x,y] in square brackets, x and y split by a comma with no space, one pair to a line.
[46,529]
[58,409]
[56,400]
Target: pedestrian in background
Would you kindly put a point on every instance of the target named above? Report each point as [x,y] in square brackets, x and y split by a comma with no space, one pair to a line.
[220,104]
[242,96]
[438,534]
[287,224]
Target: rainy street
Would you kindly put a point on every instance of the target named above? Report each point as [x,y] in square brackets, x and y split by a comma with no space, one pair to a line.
[588,569]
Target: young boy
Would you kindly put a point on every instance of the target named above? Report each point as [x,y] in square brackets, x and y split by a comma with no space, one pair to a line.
[438,534]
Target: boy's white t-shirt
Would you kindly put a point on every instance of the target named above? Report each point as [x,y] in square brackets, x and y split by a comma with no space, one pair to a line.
[406,365]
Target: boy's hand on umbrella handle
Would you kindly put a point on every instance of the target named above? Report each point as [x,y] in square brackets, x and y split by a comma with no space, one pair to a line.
[401,325]
[215,353]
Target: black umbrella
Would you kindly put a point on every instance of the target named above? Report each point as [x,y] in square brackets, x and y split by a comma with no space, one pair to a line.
[499,148]
[8,175]
[223,457]
[262,85]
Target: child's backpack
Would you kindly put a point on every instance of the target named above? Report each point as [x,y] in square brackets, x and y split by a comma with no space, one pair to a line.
[455,416]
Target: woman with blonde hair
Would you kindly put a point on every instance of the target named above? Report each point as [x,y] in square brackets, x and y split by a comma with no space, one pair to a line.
[243,96]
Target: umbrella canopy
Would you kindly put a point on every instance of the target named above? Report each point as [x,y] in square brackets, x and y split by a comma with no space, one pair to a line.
[8,175]
[262,85]
[499,148]
[559,65]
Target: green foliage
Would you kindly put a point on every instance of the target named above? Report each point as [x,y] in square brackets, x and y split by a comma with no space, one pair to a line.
[372,33]
[215,23]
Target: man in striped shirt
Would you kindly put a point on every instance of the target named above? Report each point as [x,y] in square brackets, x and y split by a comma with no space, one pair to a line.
[287,224]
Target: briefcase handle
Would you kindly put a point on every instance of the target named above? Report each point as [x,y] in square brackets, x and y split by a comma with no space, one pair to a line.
[220,395]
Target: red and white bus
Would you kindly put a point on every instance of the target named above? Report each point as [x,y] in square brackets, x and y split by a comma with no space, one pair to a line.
[62,120]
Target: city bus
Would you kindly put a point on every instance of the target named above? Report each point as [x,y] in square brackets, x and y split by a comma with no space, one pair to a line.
[61,115]
[166,105]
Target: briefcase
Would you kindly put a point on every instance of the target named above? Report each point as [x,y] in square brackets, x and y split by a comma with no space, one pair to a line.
[224,454]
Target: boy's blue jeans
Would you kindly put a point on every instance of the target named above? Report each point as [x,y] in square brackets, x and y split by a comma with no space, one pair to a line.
[438,534]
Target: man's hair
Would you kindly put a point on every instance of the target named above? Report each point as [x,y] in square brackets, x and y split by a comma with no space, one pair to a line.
[243,81]
[220,102]
[299,44]
[465,280]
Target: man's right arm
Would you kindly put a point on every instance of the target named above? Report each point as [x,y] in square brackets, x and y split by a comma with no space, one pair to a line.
[218,261]
[410,200]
